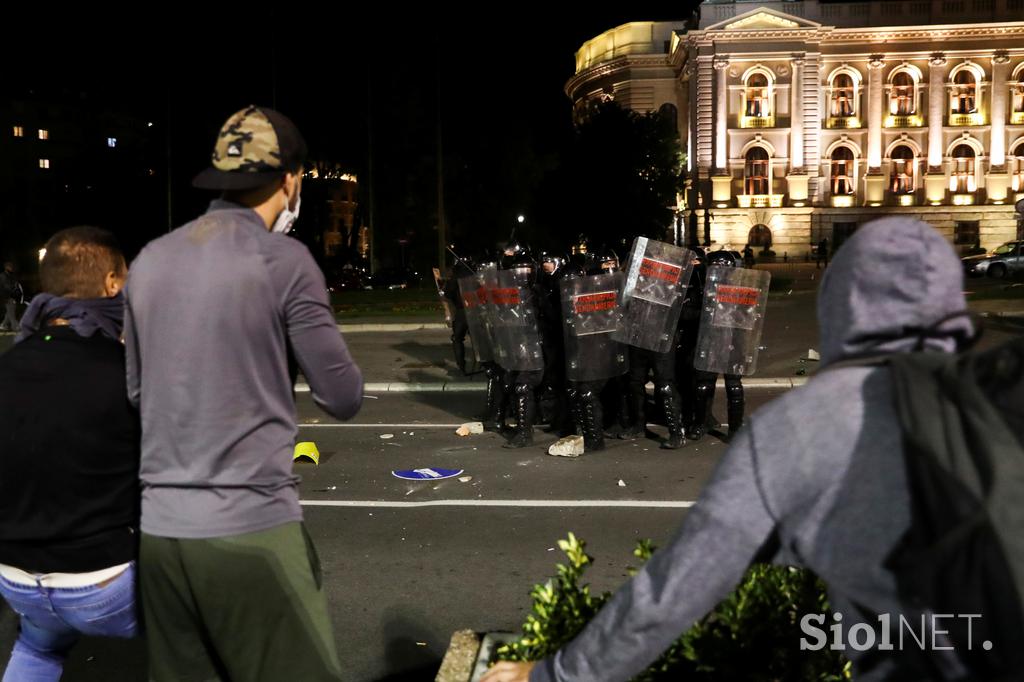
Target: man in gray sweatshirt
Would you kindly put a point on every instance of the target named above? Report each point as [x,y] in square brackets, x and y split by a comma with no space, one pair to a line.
[230,580]
[816,478]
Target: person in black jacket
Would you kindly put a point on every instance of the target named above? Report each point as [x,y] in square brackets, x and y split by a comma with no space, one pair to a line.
[460,326]
[10,296]
[69,491]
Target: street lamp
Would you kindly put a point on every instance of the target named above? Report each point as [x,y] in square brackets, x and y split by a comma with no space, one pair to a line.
[521,219]
[42,255]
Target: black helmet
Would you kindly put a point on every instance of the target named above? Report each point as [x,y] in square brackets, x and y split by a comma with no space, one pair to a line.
[555,259]
[722,258]
[488,258]
[512,251]
[607,261]
[464,267]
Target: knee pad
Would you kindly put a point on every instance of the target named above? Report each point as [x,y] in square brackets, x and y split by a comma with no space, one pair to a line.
[733,390]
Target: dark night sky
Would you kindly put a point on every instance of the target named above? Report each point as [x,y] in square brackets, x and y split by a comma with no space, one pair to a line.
[502,76]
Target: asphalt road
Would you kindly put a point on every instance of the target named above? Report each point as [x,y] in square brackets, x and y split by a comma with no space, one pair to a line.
[401,579]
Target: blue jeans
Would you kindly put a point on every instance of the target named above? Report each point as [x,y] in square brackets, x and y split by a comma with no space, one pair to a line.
[53,619]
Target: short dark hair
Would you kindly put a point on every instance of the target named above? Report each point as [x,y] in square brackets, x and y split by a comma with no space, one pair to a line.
[78,259]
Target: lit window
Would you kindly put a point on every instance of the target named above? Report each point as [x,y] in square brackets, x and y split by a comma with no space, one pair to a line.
[961,177]
[1018,95]
[842,96]
[19,131]
[1017,168]
[901,97]
[44,163]
[755,173]
[44,134]
[964,93]
[758,104]
[842,171]
[111,142]
[901,180]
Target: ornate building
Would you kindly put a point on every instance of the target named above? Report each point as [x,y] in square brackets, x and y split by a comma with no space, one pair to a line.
[803,119]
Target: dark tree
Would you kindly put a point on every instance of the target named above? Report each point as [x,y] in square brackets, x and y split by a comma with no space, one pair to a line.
[618,179]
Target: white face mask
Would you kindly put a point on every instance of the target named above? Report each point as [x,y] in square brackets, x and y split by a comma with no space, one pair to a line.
[286,218]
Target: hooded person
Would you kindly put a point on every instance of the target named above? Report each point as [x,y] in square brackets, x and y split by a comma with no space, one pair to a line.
[215,312]
[816,478]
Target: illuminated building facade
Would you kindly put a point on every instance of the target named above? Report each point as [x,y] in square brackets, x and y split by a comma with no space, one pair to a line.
[804,119]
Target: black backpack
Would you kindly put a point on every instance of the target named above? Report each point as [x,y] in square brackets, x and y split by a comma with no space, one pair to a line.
[962,418]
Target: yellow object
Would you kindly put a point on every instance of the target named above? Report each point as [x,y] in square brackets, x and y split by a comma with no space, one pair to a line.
[307,450]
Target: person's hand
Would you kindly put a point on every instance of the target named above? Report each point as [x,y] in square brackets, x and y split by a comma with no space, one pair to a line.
[508,672]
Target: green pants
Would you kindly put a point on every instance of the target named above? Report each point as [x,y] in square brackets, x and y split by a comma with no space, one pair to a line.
[245,608]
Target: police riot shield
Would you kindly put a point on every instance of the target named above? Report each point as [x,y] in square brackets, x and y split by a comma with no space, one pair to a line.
[516,327]
[657,275]
[732,319]
[473,290]
[591,314]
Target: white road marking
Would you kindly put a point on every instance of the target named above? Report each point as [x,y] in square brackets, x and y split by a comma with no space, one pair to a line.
[473,387]
[598,504]
[381,426]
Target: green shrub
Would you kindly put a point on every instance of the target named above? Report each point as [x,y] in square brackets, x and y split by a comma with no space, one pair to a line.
[754,634]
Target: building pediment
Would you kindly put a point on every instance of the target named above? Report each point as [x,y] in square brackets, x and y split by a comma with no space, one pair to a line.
[762,18]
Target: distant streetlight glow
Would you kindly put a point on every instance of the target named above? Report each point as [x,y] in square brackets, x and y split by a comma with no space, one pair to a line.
[521,219]
[42,255]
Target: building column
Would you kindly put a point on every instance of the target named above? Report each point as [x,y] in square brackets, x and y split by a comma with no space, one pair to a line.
[722,179]
[797,179]
[997,180]
[875,181]
[935,180]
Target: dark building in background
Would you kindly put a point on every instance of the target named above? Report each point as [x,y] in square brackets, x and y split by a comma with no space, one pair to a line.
[67,160]
[330,222]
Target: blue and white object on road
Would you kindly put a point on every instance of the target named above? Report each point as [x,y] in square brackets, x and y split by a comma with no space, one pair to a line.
[426,474]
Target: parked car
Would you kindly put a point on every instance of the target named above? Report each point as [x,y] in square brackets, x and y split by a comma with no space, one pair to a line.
[346,279]
[394,278]
[1006,260]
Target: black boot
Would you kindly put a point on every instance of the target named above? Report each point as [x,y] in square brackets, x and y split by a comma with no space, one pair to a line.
[702,398]
[735,404]
[575,408]
[637,421]
[622,421]
[524,403]
[673,417]
[592,420]
[459,349]
[497,400]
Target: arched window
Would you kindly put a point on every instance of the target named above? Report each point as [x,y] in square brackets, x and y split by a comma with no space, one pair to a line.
[1018,95]
[755,171]
[842,171]
[760,235]
[901,96]
[843,94]
[1017,168]
[758,105]
[961,177]
[670,115]
[965,93]
[901,180]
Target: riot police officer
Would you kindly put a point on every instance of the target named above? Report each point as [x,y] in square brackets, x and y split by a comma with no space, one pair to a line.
[590,307]
[705,381]
[460,327]
[522,348]
[554,406]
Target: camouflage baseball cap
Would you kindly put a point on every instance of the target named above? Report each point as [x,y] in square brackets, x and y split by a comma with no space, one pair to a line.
[255,147]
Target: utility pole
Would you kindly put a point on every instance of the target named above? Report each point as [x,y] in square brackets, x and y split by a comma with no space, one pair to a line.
[167,147]
[442,237]
[371,231]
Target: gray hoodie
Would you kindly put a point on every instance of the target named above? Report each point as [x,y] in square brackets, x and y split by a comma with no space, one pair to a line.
[816,477]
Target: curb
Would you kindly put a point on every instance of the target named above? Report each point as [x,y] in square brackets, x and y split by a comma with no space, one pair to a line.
[391,327]
[1014,318]
[469,387]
